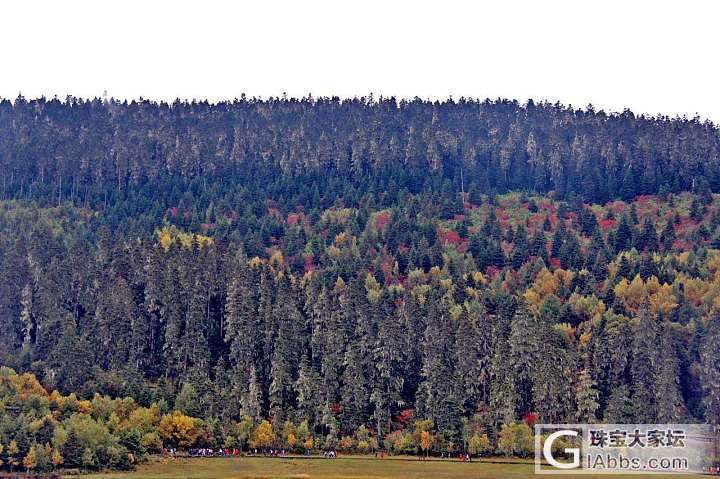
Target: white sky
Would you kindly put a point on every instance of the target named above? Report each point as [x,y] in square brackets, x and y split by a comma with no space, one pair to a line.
[650,56]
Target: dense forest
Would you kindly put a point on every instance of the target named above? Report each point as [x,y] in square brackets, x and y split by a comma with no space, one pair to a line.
[360,267]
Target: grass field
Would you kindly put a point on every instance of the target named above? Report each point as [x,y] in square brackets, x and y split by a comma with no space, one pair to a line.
[342,467]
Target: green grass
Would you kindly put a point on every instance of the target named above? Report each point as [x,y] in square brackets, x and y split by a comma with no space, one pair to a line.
[342,468]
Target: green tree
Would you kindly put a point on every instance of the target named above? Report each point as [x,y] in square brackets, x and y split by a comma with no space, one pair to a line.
[710,370]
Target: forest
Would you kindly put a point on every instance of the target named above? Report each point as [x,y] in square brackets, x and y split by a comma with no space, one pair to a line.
[365,274]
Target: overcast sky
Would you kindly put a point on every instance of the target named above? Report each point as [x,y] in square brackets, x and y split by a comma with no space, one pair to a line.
[650,56]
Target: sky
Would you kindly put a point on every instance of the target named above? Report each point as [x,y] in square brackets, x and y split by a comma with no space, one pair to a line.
[654,57]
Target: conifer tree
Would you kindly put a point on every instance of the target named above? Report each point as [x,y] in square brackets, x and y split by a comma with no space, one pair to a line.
[670,406]
[586,398]
[710,371]
[644,367]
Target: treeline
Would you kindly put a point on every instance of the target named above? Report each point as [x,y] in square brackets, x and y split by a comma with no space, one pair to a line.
[107,152]
[520,308]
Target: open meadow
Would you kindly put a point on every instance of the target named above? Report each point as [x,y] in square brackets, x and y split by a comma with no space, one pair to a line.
[342,467]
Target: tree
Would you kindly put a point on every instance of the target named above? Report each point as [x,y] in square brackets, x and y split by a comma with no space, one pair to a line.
[303,433]
[426,441]
[72,450]
[309,443]
[179,430]
[346,443]
[57,459]
[710,371]
[187,401]
[285,355]
[243,430]
[89,459]
[623,237]
[516,439]
[308,391]
[524,356]
[644,367]
[13,454]
[289,434]
[586,398]
[30,460]
[478,444]
[388,360]
[252,399]
[620,408]
[263,436]
[552,392]
[670,406]
[437,394]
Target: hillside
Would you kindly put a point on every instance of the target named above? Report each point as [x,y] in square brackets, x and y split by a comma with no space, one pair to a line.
[362,264]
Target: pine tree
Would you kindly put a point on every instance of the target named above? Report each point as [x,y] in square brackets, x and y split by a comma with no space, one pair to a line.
[648,237]
[187,400]
[558,239]
[586,398]
[285,356]
[114,315]
[473,355]
[504,399]
[355,388]
[388,360]
[670,405]
[624,235]
[537,247]
[27,317]
[620,408]
[241,326]
[332,318]
[436,394]
[710,371]
[252,399]
[598,365]
[521,251]
[644,367]
[552,393]
[524,356]
[308,389]
[72,450]
[668,236]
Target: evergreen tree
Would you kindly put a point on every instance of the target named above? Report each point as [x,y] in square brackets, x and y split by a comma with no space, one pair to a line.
[669,400]
[644,367]
[72,450]
[710,371]
[586,398]
[624,235]
[436,394]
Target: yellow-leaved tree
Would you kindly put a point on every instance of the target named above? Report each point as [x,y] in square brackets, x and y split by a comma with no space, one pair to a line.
[57,458]
[263,436]
[30,460]
[426,441]
[12,454]
[179,430]
[478,444]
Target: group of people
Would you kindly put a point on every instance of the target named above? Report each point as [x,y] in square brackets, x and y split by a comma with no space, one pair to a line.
[225,452]
[328,454]
[206,452]
[463,456]
[271,452]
